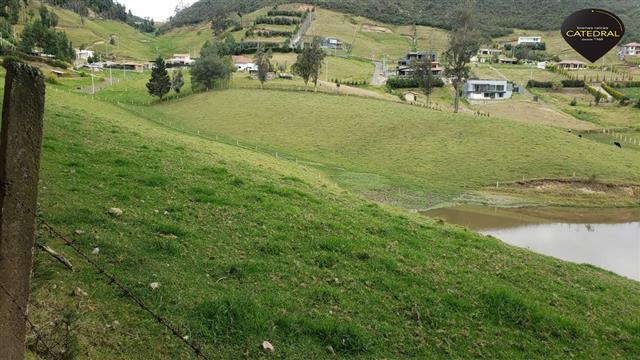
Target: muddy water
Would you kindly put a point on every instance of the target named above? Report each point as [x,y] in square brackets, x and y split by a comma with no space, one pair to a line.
[607,238]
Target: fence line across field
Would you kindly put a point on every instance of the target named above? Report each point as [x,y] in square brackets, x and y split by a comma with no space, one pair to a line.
[112,281]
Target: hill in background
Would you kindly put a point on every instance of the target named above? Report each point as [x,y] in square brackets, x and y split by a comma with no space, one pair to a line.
[496,17]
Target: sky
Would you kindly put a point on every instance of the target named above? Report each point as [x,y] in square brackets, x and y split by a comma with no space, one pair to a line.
[159,10]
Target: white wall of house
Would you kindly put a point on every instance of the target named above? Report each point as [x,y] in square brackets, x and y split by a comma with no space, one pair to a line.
[529,40]
[247,67]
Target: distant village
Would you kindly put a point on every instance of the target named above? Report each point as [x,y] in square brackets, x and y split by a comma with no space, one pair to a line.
[474,89]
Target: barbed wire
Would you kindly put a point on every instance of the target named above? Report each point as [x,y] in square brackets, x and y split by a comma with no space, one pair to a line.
[39,337]
[111,279]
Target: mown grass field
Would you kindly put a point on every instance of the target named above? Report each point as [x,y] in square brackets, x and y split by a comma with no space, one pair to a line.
[519,74]
[248,248]
[605,115]
[394,152]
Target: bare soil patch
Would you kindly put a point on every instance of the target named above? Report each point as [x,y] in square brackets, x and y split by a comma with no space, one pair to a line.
[585,187]
[304,7]
[376,29]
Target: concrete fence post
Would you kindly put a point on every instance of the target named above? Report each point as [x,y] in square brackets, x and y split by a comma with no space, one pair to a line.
[20,146]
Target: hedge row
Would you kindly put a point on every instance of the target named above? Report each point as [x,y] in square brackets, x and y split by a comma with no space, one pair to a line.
[350,82]
[616,94]
[572,83]
[268,33]
[277,21]
[549,84]
[624,84]
[286,13]
[399,82]
[540,84]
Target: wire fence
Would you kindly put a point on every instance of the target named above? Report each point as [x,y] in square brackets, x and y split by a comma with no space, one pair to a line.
[109,278]
[40,339]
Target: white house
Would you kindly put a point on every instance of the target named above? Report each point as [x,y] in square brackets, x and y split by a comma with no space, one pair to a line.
[631,49]
[243,63]
[489,52]
[180,60]
[482,90]
[529,40]
[572,65]
[84,55]
[247,67]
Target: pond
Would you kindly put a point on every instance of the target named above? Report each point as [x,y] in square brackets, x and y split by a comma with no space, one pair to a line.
[606,238]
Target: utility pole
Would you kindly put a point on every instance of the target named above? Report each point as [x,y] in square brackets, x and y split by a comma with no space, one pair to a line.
[20,147]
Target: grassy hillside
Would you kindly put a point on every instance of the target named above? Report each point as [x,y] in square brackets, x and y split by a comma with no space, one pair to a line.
[494,16]
[95,35]
[369,38]
[132,44]
[394,152]
[247,248]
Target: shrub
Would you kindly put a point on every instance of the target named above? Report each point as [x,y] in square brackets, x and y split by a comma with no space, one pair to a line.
[572,83]
[52,79]
[540,84]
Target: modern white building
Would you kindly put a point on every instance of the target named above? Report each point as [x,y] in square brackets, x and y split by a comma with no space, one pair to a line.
[524,40]
[486,90]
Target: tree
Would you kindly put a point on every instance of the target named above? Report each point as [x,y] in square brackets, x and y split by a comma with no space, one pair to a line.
[263,61]
[177,82]
[160,83]
[423,75]
[309,63]
[209,69]
[317,56]
[303,66]
[598,96]
[219,24]
[464,42]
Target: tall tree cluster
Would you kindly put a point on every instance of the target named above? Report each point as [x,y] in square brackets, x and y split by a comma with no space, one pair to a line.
[10,10]
[105,8]
[309,63]
[214,65]
[41,34]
